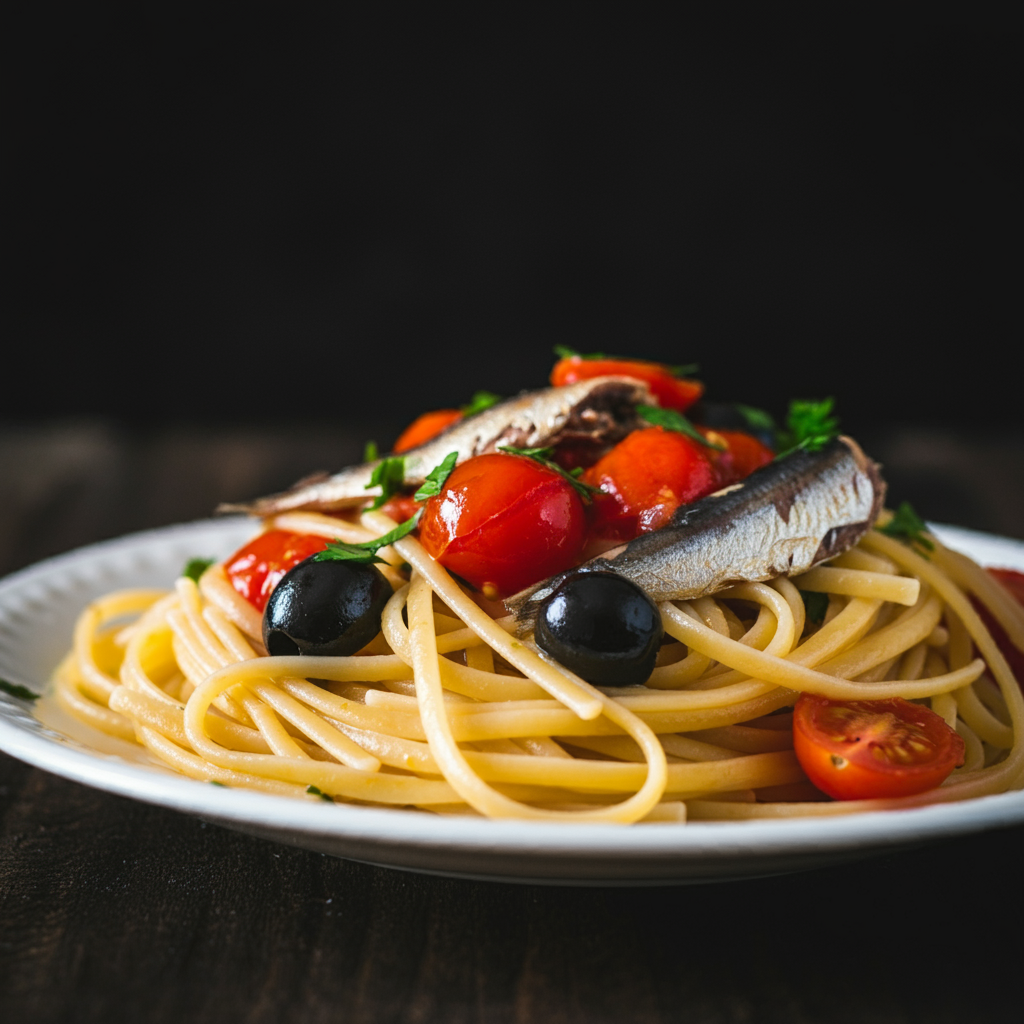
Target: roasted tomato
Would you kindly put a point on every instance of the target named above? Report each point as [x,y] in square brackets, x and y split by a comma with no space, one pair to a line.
[870,749]
[1013,582]
[425,427]
[255,570]
[647,477]
[502,522]
[671,392]
[742,456]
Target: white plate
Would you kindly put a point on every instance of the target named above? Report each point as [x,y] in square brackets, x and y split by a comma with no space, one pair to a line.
[38,607]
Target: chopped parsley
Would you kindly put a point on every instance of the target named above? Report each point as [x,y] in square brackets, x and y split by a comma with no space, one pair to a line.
[18,691]
[907,525]
[816,605]
[437,477]
[195,567]
[371,452]
[481,400]
[757,419]
[214,782]
[672,420]
[316,791]
[543,456]
[389,475]
[365,552]
[809,425]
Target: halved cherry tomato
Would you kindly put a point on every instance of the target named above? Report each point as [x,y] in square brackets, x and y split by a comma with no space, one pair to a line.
[502,522]
[671,392]
[743,455]
[1013,582]
[869,749]
[647,477]
[257,568]
[425,427]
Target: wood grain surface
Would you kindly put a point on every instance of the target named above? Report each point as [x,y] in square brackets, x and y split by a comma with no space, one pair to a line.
[112,910]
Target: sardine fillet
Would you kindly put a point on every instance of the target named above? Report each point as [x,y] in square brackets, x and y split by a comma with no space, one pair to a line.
[601,410]
[780,521]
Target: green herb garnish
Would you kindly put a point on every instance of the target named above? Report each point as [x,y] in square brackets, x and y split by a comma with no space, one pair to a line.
[564,352]
[195,567]
[437,477]
[757,419]
[908,526]
[315,791]
[810,426]
[370,452]
[481,400]
[672,420]
[543,456]
[366,552]
[18,691]
[816,605]
[214,782]
[389,475]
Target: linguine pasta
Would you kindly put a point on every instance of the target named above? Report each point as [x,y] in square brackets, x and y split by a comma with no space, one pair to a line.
[447,711]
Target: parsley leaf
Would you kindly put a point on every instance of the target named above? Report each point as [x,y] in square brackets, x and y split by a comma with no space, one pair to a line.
[214,782]
[543,456]
[684,369]
[672,420]
[18,691]
[195,567]
[389,475]
[436,477]
[365,552]
[907,525]
[316,791]
[810,425]
[564,352]
[756,419]
[371,452]
[816,605]
[481,400]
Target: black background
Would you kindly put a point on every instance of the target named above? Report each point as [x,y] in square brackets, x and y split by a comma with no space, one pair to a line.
[324,218]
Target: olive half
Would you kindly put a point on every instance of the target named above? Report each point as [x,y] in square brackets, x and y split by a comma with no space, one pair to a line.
[601,626]
[329,608]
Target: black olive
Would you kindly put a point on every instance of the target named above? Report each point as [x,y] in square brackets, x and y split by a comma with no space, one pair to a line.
[603,627]
[328,608]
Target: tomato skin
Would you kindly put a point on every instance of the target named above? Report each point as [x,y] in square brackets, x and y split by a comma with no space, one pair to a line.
[872,749]
[502,522]
[1013,582]
[744,454]
[670,391]
[401,507]
[256,569]
[647,476]
[425,427]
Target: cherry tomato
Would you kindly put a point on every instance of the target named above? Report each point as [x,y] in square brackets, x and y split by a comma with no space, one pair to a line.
[257,568]
[502,522]
[401,507]
[671,392]
[647,477]
[743,455]
[868,749]
[425,427]
[1013,582]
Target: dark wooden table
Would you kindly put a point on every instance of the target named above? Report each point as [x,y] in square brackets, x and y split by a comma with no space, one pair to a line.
[112,910]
